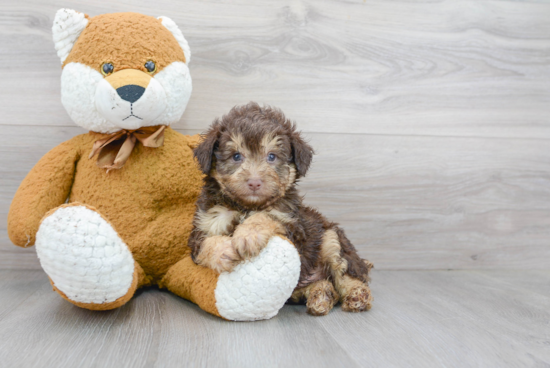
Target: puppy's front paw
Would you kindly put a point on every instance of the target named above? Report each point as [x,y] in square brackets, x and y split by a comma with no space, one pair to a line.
[218,254]
[248,242]
[253,234]
[228,259]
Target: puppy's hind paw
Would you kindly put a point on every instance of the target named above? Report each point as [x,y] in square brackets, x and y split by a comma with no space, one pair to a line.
[359,299]
[321,298]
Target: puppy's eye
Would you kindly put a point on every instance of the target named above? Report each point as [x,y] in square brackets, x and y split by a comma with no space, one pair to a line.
[150,66]
[107,68]
[237,157]
[271,157]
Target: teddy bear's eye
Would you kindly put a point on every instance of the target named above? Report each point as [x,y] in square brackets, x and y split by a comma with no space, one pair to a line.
[107,68]
[150,66]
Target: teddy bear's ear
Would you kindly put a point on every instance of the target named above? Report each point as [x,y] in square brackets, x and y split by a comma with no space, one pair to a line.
[173,28]
[67,26]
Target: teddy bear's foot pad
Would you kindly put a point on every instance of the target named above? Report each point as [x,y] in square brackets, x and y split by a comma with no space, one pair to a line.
[258,288]
[84,257]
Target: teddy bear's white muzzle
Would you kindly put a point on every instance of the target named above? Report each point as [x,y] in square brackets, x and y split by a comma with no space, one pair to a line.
[130,106]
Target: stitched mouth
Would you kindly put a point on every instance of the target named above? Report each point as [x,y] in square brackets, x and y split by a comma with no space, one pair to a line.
[132,113]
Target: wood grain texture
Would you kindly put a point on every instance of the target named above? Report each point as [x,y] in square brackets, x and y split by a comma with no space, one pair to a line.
[431,124]
[450,319]
[455,68]
[405,202]
[419,319]
[430,118]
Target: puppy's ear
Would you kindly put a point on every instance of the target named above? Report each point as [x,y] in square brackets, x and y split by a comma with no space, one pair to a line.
[302,153]
[205,149]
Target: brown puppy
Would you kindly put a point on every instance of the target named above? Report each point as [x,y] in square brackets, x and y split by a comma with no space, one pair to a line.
[252,158]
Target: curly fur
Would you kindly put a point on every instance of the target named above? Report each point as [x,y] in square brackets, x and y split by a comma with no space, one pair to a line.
[238,151]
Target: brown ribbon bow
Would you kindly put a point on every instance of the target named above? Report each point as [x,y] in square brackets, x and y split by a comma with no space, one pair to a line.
[114,149]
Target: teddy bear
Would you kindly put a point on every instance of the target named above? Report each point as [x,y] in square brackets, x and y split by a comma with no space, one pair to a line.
[110,211]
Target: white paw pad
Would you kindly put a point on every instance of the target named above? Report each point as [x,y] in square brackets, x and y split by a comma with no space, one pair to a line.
[84,256]
[256,289]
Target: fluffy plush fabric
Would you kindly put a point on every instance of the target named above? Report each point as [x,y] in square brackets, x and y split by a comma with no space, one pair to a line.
[67,26]
[84,256]
[127,41]
[272,276]
[101,235]
[150,202]
[253,157]
[172,27]
[130,115]
[78,88]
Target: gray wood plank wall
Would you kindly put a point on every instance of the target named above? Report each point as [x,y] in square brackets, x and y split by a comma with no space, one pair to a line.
[431,119]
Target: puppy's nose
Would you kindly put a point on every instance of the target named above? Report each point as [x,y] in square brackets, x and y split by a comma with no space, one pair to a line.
[130,92]
[254,184]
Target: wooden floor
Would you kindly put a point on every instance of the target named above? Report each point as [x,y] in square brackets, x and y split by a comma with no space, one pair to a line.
[419,319]
[431,123]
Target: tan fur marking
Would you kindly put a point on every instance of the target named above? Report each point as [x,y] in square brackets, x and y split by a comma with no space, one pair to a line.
[237,144]
[320,296]
[355,295]
[330,255]
[216,221]
[252,235]
[218,254]
[291,176]
[254,167]
[275,182]
[235,186]
[283,217]
[128,76]
[270,142]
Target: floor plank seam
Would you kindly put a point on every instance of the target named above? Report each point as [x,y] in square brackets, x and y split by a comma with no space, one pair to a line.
[333,133]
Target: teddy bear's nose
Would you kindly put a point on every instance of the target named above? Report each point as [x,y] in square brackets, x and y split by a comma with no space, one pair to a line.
[130,92]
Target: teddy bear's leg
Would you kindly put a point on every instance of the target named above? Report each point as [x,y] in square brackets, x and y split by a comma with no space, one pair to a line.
[256,289]
[87,262]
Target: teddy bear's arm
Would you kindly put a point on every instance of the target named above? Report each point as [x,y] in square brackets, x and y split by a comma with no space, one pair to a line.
[45,187]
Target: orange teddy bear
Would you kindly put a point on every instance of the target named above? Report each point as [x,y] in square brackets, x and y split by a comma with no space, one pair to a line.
[110,211]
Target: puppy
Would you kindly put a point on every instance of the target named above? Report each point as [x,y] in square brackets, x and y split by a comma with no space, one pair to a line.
[252,158]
